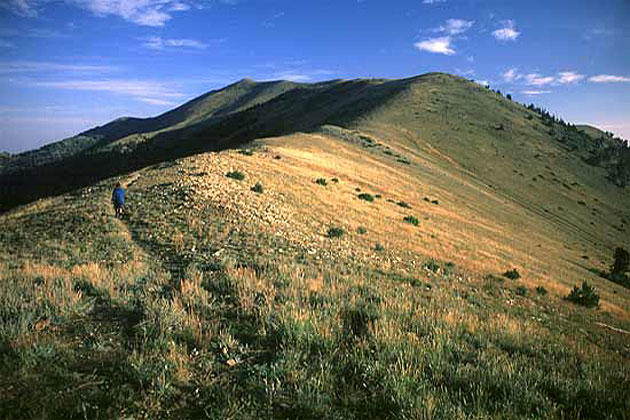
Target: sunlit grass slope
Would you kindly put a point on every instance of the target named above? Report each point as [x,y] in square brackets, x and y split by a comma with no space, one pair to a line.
[317,298]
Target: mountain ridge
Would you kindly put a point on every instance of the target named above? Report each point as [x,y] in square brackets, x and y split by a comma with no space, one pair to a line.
[246,110]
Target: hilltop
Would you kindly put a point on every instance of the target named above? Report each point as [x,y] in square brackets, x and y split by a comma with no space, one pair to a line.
[330,250]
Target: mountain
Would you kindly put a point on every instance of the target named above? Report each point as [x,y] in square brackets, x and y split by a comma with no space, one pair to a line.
[347,249]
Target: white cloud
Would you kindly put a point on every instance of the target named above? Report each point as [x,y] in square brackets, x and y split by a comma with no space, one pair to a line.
[568,77]
[455,26]
[608,78]
[153,101]
[142,90]
[507,33]
[292,77]
[511,75]
[535,92]
[482,82]
[157,43]
[45,66]
[433,1]
[441,45]
[536,79]
[140,12]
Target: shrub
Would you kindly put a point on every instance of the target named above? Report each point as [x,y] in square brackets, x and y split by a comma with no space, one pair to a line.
[361,230]
[335,180]
[541,290]
[321,181]
[411,219]
[378,247]
[512,274]
[403,205]
[521,291]
[335,232]
[238,175]
[378,196]
[432,266]
[586,296]
[622,261]
[366,197]
[258,188]
[435,202]
[277,157]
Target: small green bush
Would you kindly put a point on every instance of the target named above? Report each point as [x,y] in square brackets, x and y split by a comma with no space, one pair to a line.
[411,219]
[521,291]
[435,202]
[512,274]
[586,296]
[403,205]
[277,157]
[432,266]
[541,290]
[366,197]
[321,181]
[258,188]
[238,175]
[378,196]
[361,230]
[378,247]
[335,180]
[335,232]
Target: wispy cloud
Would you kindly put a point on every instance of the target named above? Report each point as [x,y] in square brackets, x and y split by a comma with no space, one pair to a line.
[455,26]
[433,1]
[569,77]
[441,45]
[160,102]
[293,77]
[140,12]
[26,8]
[141,90]
[6,44]
[508,32]
[608,78]
[536,79]
[45,66]
[482,82]
[511,75]
[535,92]
[158,43]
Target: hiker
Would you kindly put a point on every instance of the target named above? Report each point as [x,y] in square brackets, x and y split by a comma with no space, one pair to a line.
[118,199]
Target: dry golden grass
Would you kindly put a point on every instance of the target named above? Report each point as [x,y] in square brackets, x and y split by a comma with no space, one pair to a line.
[474,226]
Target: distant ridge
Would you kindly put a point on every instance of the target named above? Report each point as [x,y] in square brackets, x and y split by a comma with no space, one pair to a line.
[462,119]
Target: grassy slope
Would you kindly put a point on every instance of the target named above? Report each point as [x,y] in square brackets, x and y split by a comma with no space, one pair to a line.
[212,300]
[592,131]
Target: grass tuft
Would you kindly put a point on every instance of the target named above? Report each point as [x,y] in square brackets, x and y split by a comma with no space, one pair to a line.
[412,219]
[238,175]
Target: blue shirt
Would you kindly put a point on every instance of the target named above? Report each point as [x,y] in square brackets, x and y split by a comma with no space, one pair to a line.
[118,196]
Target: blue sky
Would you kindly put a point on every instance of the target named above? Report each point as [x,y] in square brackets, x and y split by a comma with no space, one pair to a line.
[68,65]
